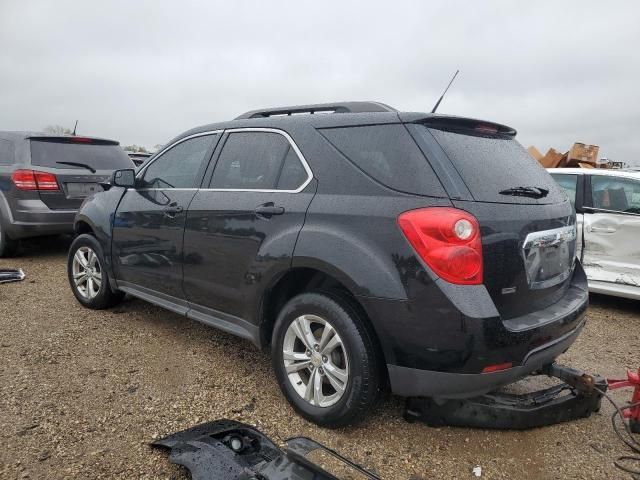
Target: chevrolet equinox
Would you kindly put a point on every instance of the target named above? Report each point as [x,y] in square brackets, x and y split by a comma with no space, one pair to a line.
[367,248]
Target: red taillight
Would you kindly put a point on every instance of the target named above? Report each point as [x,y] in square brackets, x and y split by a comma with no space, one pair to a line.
[497,367]
[448,240]
[81,140]
[33,180]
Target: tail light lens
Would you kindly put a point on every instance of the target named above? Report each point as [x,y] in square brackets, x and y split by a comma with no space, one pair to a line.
[448,240]
[34,180]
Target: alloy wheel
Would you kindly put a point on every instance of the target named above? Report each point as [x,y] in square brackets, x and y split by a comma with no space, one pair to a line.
[87,273]
[315,360]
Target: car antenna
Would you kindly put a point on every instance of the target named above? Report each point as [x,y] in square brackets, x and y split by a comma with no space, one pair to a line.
[74,128]
[445,92]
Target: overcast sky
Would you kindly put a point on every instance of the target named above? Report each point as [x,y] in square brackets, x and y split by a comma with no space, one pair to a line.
[142,72]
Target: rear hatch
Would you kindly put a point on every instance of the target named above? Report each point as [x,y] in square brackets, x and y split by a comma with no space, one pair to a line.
[526,221]
[79,164]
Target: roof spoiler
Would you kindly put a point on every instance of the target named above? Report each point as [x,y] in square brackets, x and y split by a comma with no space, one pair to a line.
[470,125]
[72,139]
[341,107]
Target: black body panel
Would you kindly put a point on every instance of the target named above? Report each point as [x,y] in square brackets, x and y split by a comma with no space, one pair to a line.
[219,259]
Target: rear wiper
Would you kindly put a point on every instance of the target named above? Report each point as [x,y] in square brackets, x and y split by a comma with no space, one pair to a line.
[533,192]
[77,164]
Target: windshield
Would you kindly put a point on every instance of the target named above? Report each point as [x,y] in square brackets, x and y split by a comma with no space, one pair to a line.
[497,169]
[97,157]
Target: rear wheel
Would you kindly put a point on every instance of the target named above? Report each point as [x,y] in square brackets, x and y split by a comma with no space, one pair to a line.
[8,246]
[88,278]
[325,359]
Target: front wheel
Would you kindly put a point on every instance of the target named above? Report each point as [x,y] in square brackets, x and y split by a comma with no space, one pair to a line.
[325,359]
[87,276]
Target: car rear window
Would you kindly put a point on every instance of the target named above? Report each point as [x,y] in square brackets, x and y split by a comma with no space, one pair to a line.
[389,155]
[489,165]
[99,157]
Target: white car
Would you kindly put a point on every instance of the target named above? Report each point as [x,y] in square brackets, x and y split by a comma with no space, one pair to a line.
[607,204]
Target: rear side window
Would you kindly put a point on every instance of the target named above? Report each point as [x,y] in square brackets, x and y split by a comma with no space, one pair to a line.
[615,194]
[7,152]
[258,161]
[489,165]
[569,184]
[99,157]
[181,165]
[389,155]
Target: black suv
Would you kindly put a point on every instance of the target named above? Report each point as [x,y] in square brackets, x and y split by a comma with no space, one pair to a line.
[44,179]
[364,245]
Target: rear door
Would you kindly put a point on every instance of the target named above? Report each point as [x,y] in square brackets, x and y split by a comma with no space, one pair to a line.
[79,165]
[612,230]
[149,223]
[244,225]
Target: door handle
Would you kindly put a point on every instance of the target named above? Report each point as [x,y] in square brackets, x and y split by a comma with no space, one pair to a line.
[603,230]
[268,209]
[172,209]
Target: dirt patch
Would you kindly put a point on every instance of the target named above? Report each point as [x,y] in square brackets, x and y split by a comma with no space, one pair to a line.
[83,392]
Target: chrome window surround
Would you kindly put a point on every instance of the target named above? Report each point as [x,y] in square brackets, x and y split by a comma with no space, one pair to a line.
[292,143]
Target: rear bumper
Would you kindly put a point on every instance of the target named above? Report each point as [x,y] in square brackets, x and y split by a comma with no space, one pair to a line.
[439,343]
[412,382]
[32,218]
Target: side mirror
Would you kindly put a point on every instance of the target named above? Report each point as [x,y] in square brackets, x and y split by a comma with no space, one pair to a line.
[124,178]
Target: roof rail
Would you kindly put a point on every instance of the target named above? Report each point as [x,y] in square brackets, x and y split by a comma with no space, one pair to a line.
[342,107]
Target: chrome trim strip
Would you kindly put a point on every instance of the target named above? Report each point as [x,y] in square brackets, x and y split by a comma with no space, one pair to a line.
[293,144]
[550,238]
[168,147]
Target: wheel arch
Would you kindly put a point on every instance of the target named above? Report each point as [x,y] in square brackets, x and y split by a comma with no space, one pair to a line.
[300,279]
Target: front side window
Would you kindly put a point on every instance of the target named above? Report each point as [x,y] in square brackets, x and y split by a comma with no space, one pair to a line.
[180,166]
[569,184]
[615,193]
[258,161]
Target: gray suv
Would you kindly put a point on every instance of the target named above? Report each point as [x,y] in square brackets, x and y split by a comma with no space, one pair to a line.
[44,180]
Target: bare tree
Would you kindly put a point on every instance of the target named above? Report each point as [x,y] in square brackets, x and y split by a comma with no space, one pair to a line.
[57,130]
[135,148]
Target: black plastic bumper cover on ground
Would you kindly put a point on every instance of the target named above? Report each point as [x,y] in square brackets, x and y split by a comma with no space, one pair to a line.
[577,397]
[229,450]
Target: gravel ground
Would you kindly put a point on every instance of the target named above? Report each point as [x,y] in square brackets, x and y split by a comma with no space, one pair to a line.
[83,392]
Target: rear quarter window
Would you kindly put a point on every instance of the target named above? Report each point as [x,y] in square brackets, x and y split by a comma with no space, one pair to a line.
[389,155]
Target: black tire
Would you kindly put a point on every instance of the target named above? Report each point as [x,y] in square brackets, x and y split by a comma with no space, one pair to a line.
[104,297]
[365,377]
[8,246]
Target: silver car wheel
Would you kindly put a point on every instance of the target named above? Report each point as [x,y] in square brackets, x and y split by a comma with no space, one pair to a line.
[87,273]
[316,360]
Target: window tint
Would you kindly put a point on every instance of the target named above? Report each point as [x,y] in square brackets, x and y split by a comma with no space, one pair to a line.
[569,184]
[258,160]
[293,173]
[489,165]
[615,193]
[47,153]
[389,155]
[7,152]
[179,166]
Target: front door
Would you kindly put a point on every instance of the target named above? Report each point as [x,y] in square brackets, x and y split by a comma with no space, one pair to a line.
[245,224]
[611,231]
[148,227]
